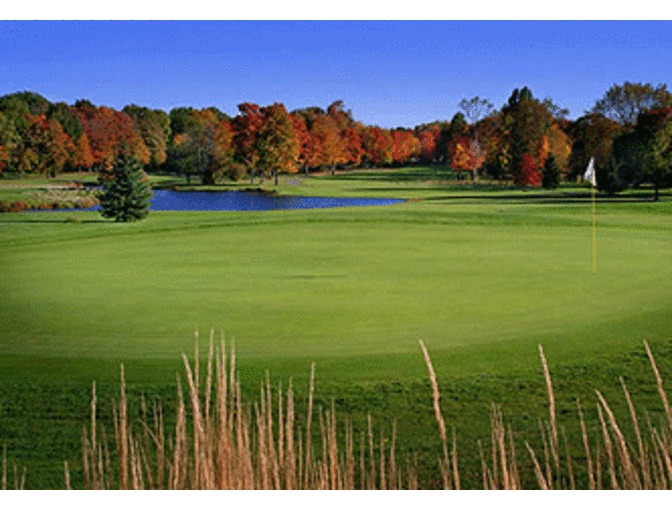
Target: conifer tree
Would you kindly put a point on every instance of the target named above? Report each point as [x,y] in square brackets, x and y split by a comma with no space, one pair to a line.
[126,193]
[551,173]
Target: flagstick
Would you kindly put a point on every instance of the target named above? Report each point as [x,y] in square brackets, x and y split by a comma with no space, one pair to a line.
[594,234]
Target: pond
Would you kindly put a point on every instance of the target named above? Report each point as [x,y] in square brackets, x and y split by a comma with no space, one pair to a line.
[167,200]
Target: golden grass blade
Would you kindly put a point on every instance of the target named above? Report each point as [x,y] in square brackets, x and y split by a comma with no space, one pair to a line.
[609,449]
[123,440]
[584,437]
[66,473]
[659,383]
[551,409]
[628,468]
[437,411]
[543,484]
[568,458]
[309,422]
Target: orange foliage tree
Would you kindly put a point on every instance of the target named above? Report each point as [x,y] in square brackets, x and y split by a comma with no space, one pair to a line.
[377,144]
[427,144]
[81,157]
[246,127]
[277,142]
[111,134]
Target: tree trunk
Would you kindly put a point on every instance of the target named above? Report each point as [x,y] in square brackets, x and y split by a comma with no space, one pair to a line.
[251,176]
[656,182]
[333,170]
[276,177]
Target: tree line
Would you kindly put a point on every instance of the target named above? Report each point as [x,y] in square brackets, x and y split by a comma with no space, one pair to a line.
[528,140]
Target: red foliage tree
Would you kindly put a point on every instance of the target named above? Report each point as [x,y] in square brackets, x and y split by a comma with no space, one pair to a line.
[353,146]
[427,141]
[378,145]
[111,133]
[527,173]
[246,127]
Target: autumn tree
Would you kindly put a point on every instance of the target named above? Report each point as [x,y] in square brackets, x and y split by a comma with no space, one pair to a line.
[81,158]
[446,145]
[9,141]
[50,145]
[326,135]
[427,144]
[246,127]
[592,137]
[154,128]
[110,133]
[527,173]
[202,145]
[378,145]
[352,145]
[277,142]
[624,103]
[524,124]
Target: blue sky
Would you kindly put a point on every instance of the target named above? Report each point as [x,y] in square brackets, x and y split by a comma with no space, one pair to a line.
[389,73]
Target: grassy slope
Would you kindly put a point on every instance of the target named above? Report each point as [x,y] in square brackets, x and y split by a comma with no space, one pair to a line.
[481,279]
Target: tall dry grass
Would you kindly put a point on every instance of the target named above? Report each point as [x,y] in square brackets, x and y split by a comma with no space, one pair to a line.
[221,442]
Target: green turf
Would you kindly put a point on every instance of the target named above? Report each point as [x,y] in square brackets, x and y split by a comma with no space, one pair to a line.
[481,276]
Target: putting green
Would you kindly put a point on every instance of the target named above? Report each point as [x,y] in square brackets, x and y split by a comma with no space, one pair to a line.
[474,281]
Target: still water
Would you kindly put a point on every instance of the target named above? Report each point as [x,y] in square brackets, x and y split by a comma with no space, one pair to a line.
[167,200]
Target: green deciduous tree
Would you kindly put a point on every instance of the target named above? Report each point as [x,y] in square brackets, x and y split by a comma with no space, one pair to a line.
[624,103]
[126,194]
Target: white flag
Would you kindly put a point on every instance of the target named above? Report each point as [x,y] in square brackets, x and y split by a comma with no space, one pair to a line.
[590,173]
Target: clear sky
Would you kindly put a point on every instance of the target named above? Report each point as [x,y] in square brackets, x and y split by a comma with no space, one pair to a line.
[389,73]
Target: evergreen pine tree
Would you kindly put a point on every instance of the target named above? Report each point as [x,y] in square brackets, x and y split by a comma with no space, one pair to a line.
[551,173]
[126,195]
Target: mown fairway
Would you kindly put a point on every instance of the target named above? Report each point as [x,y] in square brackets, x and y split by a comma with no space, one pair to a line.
[481,277]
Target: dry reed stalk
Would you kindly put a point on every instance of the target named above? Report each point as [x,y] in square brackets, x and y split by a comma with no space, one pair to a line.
[394,474]
[665,463]
[551,409]
[123,440]
[629,472]
[372,461]
[584,437]
[308,423]
[349,483]
[487,477]
[500,444]
[643,457]
[549,475]
[543,484]
[383,477]
[66,474]
[515,478]
[568,458]
[281,438]
[609,449]
[439,416]
[362,464]
[334,471]
[290,459]
[456,472]
[659,383]
[412,473]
